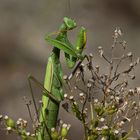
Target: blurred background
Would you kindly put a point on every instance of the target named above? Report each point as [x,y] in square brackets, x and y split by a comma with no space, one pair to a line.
[23,50]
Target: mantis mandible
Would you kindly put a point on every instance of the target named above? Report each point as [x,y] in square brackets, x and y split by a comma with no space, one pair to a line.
[53,82]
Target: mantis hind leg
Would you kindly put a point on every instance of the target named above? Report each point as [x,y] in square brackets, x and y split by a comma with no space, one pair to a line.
[46,93]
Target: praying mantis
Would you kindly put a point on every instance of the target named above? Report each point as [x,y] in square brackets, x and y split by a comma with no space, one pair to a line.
[53,83]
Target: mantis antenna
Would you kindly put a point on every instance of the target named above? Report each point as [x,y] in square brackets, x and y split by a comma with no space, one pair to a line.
[68,8]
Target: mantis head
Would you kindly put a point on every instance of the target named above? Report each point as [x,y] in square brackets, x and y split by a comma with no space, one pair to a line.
[69,23]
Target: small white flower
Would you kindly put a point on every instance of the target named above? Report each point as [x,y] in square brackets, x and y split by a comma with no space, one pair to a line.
[71,97]
[103,138]
[95,100]
[111,97]
[6,117]
[53,129]
[91,55]
[138,89]
[108,90]
[105,127]
[130,54]
[122,123]
[65,95]
[81,94]
[65,77]
[18,122]
[120,32]
[20,119]
[1,117]
[9,128]
[116,131]
[33,135]
[102,120]
[68,126]
[98,128]
[24,121]
[61,122]
[28,133]
[64,125]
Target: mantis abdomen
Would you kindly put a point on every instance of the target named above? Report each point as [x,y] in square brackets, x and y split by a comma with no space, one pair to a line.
[53,83]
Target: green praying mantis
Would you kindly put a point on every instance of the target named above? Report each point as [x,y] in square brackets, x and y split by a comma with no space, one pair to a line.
[53,92]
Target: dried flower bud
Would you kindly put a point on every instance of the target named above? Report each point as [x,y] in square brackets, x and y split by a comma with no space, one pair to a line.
[129,54]
[89,85]
[91,55]
[86,109]
[65,77]
[131,92]
[20,119]
[138,60]
[6,117]
[91,81]
[61,121]
[68,126]
[25,123]
[116,131]
[32,135]
[97,67]
[132,77]
[112,97]
[71,97]
[108,90]
[124,44]
[1,117]
[134,103]
[65,95]
[52,129]
[122,123]
[102,120]
[98,128]
[131,65]
[18,123]
[96,100]
[105,127]
[100,48]
[119,32]
[28,133]
[100,51]
[138,90]
[81,94]
[9,129]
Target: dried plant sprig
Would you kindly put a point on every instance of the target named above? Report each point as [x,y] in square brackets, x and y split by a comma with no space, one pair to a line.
[117,104]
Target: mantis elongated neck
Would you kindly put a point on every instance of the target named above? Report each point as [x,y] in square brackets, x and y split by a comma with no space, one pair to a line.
[56,54]
[61,37]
